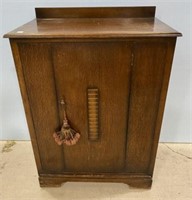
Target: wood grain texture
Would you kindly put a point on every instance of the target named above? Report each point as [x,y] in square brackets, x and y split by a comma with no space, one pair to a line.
[133,180]
[75,73]
[93,28]
[126,55]
[96,12]
[147,76]
[164,87]
[26,103]
[37,69]
[86,40]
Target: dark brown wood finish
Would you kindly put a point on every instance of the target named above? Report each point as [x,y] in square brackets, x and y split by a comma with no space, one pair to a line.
[94,23]
[102,12]
[147,75]
[76,72]
[124,54]
[39,80]
[166,76]
[93,28]
[133,180]
[26,103]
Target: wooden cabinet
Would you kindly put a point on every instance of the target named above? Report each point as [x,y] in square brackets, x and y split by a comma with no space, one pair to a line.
[111,66]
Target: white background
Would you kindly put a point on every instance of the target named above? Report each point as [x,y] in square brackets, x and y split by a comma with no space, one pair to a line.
[178,14]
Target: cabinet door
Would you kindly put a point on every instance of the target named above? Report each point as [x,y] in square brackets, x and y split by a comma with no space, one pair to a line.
[104,66]
[70,70]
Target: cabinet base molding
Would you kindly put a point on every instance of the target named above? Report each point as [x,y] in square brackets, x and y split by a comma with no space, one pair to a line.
[137,181]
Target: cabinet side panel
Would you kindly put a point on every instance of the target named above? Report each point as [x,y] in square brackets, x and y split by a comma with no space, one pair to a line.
[39,80]
[18,65]
[147,75]
[167,71]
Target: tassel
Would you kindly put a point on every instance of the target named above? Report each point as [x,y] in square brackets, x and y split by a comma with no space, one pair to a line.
[66,135]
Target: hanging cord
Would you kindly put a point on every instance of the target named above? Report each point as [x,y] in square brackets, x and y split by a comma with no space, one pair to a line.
[63,104]
[66,135]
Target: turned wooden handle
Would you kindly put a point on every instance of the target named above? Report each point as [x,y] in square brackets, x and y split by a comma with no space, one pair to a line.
[93,113]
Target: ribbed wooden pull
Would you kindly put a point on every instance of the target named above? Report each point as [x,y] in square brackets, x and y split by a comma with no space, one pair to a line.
[93,113]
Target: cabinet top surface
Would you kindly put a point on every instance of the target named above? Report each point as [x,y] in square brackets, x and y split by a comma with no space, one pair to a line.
[94,23]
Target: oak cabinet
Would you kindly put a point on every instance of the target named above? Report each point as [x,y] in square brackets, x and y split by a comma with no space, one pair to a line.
[111,66]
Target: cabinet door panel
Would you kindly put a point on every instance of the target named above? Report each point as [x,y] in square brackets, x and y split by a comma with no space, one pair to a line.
[38,73]
[105,66]
[146,82]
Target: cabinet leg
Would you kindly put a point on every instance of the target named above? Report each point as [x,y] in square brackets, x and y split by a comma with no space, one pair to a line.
[50,182]
[145,184]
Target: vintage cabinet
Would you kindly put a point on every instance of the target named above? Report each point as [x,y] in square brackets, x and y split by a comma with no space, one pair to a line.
[111,66]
